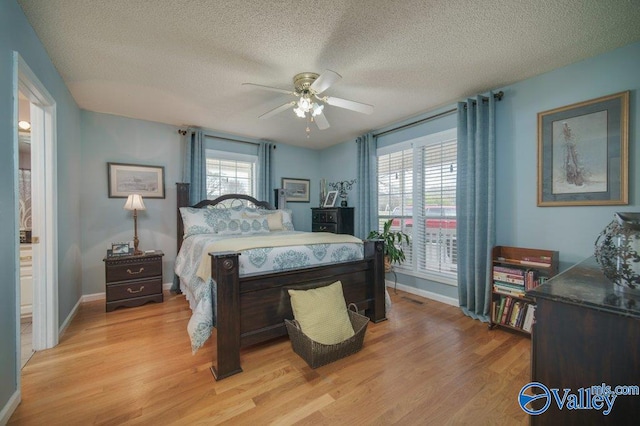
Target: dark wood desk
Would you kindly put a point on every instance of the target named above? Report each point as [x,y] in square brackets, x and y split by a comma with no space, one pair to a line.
[586,333]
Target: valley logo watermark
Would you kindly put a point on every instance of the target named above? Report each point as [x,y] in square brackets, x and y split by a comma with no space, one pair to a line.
[597,397]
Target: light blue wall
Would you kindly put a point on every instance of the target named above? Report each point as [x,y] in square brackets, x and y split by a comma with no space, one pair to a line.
[338,163]
[519,222]
[108,138]
[301,163]
[570,230]
[17,35]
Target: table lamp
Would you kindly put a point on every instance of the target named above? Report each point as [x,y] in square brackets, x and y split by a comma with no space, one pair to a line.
[135,203]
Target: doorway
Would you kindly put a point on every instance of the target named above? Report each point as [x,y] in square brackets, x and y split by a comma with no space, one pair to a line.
[44,254]
[25,229]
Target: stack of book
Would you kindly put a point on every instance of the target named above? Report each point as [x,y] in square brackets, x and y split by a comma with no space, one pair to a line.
[514,313]
[509,281]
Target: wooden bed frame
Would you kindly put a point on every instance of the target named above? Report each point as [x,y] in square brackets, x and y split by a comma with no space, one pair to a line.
[252,308]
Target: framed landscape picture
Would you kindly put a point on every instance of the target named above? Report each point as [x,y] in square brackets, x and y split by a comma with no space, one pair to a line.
[125,179]
[583,153]
[297,190]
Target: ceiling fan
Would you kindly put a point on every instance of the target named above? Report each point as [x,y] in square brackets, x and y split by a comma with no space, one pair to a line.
[308,88]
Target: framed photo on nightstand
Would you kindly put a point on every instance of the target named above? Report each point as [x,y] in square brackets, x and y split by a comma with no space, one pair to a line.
[330,200]
[120,249]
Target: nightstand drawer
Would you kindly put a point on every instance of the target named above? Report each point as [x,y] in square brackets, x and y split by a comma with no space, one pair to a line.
[133,270]
[338,220]
[327,216]
[134,289]
[325,227]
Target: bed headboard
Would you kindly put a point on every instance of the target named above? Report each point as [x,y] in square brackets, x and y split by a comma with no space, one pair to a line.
[224,201]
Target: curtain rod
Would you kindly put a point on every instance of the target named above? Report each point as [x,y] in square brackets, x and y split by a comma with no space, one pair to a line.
[184,132]
[497,96]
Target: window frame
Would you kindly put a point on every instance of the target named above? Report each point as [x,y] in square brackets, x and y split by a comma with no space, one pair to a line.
[416,145]
[216,154]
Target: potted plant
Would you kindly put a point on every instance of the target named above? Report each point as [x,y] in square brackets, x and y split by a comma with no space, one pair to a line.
[393,252]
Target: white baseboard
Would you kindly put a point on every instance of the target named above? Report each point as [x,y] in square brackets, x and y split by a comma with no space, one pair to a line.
[424,293]
[10,407]
[92,297]
[67,320]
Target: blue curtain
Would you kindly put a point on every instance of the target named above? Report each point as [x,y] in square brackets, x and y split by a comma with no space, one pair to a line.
[195,168]
[265,178]
[476,204]
[367,207]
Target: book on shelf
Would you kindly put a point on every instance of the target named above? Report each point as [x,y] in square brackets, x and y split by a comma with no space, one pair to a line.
[527,324]
[522,314]
[538,261]
[508,278]
[500,309]
[538,264]
[504,288]
[508,270]
[517,306]
[506,310]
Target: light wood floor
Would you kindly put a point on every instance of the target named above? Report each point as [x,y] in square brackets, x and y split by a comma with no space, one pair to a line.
[429,364]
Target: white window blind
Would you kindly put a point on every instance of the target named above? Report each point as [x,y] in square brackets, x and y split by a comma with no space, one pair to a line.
[230,173]
[417,190]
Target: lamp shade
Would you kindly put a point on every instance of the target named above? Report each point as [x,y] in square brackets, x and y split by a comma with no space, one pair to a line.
[134,202]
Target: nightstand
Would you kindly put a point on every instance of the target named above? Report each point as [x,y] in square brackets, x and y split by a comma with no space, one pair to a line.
[338,220]
[133,280]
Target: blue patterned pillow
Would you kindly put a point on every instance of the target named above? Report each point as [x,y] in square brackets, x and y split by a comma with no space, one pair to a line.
[197,221]
[287,219]
[242,226]
[285,214]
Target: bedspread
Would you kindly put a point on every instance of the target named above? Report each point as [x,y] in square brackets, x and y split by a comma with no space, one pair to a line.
[257,256]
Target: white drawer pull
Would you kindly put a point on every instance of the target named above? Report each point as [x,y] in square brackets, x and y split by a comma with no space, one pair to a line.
[135,273]
[135,291]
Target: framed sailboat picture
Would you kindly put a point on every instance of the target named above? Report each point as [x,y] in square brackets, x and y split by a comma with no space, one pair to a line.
[583,153]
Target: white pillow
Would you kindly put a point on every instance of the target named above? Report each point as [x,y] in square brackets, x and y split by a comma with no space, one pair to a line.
[274,220]
[197,221]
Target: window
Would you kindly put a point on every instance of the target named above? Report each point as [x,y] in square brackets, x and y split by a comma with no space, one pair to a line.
[230,173]
[417,185]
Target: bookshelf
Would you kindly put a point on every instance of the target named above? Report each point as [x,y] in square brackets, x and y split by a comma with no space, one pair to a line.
[514,271]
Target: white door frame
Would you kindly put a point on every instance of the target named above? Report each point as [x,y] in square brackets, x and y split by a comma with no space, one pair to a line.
[44,206]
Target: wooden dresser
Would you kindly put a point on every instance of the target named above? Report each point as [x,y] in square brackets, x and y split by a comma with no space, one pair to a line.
[338,220]
[586,333]
[133,280]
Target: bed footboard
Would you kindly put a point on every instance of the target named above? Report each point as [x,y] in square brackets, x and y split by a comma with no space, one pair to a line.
[252,309]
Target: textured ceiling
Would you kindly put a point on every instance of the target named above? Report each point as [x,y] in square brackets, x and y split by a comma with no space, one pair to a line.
[183,61]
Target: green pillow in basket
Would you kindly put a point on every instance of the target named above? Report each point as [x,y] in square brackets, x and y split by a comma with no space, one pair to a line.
[322,313]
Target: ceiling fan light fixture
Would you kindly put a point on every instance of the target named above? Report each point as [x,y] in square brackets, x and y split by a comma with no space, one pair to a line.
[304,103]
[307,98]
[299,112]
[316,109]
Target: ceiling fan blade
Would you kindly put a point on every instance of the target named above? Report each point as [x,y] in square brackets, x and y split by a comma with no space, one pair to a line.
[278,110]
[352,105]
[321,121]
[273,89]
[324,81]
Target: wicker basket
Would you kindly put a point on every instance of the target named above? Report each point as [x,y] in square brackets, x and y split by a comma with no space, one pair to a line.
[316,354]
